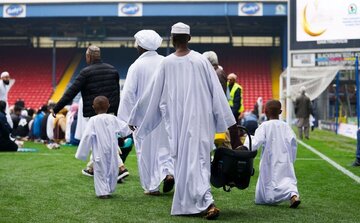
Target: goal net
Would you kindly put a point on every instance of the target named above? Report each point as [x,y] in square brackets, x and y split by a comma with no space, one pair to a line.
[314,79]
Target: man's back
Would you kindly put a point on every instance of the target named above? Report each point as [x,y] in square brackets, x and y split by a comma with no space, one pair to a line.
[302,106]
[143,70]
[190,98]
[94,80]
[278,139]
[189,84]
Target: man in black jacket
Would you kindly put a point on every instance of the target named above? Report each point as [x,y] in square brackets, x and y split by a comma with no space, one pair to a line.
[94,80]
[97,79]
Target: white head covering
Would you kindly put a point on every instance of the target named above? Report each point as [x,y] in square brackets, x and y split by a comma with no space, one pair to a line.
[5,74]
[148,39]
[212,57]
[180,28]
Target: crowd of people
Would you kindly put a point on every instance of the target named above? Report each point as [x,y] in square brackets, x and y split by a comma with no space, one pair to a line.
[171,107]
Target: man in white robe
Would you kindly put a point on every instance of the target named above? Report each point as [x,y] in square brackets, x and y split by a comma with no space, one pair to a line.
[277,181]
[153,154]
[5,84]
[187,95]
[101,136]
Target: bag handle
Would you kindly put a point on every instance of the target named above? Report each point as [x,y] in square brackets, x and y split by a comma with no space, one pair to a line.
[248,134]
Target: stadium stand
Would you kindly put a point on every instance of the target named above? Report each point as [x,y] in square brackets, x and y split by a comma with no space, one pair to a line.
[32,70]
[252,66]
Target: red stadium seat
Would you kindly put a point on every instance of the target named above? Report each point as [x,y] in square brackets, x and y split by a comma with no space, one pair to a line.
[32,70]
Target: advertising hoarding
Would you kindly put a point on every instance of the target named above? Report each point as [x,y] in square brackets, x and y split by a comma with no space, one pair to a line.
[323,24]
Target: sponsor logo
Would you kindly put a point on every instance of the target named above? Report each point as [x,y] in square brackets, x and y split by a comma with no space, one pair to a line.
[130,9]
[352,9]
[14,10]
[280,10]
[250,8]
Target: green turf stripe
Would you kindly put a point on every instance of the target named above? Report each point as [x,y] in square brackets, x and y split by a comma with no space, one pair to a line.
[333,163]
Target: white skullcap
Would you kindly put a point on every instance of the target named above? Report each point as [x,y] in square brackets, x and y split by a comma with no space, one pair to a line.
[148,39]
[232,76]
[5,74]
[212,57]
[180,28]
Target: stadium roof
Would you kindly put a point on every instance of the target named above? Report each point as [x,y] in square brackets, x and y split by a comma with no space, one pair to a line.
[104,19]
[102,1]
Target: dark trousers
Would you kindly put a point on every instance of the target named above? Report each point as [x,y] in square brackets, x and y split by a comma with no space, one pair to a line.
[6,145]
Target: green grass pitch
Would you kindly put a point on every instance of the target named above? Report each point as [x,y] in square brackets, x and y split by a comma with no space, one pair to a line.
[47,186]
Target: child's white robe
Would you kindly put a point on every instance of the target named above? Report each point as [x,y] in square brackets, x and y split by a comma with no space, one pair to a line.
[101,135]
[187,95]
[277,181]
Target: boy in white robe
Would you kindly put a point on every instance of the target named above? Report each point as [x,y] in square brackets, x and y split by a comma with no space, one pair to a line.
[187,95]
[277,181]
[101,135]
[153,153]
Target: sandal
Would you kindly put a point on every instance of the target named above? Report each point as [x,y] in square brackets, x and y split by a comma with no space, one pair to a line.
[294,201]
[212,212]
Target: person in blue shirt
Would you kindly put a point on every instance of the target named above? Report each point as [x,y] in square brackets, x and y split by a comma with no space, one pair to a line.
[250,121]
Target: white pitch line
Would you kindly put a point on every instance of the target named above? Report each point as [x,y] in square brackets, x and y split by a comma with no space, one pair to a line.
[333,163]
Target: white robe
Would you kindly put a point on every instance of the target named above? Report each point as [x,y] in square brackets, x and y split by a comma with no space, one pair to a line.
[277,181]
[69,119]
[4,90]
[153,152]
[187,94]
[81,121]
[101,135]
[50,125]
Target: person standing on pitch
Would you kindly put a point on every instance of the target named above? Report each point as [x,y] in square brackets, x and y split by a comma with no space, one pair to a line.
[235,96]
[187,95]
[277,181]
[101,136]
[303,109]
[5,84]
[98,78]
[153,152]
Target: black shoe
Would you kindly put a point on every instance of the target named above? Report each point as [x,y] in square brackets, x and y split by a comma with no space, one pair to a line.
[294,201]
[87,173]
[122,175]
[356,163]
[104,196]
[168,183]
